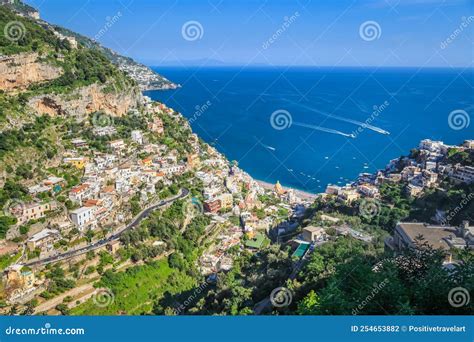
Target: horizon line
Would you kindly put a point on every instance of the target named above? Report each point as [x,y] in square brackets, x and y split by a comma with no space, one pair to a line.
[151,65]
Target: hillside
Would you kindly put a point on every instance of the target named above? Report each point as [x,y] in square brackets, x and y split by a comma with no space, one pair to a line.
[103,188]
[55,91]
[69,115]
[145,77]
[44,73]
[21,7]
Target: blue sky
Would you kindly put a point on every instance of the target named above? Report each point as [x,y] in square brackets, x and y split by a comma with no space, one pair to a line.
[276,32]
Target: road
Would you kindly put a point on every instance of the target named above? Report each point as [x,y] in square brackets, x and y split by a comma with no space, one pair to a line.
[101,243]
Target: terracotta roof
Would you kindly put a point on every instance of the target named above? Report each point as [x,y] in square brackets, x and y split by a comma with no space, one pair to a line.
[91,203]
[109,188]
[80,188]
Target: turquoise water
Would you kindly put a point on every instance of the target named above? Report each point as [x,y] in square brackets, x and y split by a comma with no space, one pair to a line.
[231,108]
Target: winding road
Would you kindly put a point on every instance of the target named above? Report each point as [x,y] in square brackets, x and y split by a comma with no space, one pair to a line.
[101,243]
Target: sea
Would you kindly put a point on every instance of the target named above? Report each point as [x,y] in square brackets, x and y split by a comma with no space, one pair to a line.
[308,127]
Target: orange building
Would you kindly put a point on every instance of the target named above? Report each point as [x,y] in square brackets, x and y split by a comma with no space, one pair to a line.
[212,206]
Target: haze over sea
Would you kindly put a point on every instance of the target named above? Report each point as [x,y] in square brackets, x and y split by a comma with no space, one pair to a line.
[231,108]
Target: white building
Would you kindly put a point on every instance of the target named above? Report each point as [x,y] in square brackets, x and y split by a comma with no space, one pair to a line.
[137,136]
[434,146]
[44,238]
[463,174]
[117,144]
[211,192]
[82,217]
[80,193]
[104,131]
[368,190]
[469,144]
[173,169]
[79,142]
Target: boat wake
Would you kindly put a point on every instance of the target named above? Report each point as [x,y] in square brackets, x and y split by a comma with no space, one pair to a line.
[268,147]
[340,118]
[324,129]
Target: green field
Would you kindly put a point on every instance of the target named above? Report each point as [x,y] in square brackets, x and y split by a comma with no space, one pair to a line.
[137,289]
[7,260]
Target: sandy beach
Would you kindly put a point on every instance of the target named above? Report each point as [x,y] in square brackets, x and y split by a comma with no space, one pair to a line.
[302,194]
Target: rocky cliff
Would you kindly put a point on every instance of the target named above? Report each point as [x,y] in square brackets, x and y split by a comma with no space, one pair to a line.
[86,100]
[146,78]
[18,72]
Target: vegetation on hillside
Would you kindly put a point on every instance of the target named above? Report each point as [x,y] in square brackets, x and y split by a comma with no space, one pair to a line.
[30,36]
[342,280]
[135,290]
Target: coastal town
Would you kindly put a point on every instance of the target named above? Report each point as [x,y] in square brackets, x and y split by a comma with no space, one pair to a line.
[134,171]
[427,168]
[105,190]
[244,213]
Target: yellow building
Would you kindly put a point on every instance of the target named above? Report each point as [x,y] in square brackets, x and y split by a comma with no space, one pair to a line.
[348,195]
[279,189]
[147,161]
[227,201]
[19,277]
[193,161]
[31,211]
[79,162]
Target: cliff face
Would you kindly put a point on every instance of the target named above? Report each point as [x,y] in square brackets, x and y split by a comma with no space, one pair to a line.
[86,100]
[146,78]
[83,81]
[17,72]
